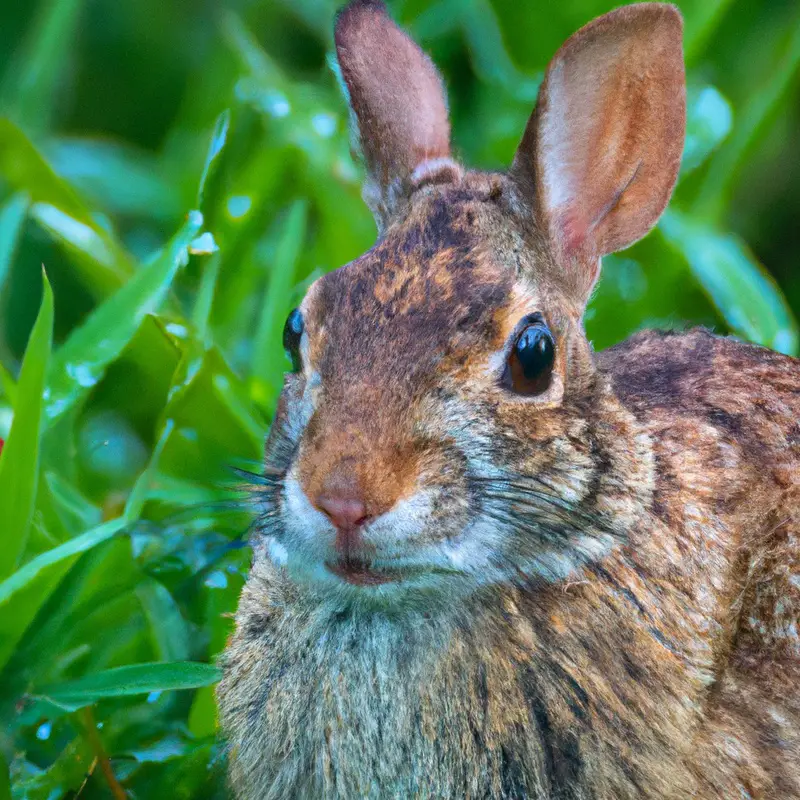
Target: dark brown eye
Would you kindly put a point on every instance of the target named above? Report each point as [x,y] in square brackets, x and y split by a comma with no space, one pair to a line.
[530,363]
[292,333]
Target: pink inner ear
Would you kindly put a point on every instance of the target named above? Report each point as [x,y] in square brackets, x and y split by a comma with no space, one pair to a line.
[573,232]
[606,138]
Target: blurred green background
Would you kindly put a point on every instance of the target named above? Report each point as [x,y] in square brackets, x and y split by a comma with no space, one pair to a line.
[181,170]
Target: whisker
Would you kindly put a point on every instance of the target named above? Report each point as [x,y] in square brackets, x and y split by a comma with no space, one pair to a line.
[519,489]
[214,509]
[268,478]
[522,495]
[536,529]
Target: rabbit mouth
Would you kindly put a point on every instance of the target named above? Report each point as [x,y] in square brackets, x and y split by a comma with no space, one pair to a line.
[362,573]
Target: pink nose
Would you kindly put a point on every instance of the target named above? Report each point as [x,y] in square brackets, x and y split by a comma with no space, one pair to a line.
[346,513]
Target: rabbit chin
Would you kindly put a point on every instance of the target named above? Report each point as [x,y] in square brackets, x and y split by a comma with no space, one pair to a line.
[406,553]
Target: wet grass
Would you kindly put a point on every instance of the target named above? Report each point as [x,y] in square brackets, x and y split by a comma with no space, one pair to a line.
[182,172]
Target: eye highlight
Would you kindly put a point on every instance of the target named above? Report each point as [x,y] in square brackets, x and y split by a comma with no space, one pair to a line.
[292,333]
[529,368]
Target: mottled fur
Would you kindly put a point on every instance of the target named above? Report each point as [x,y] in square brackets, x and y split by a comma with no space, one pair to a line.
[596,590]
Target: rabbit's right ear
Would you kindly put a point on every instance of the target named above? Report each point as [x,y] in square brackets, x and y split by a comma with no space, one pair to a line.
[397,99]
[601,152]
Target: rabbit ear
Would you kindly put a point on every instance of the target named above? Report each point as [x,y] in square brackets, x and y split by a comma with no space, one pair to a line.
[601,152]
[396,96]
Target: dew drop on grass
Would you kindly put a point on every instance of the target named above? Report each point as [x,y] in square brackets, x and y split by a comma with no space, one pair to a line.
[180,331]
[203,245]
[217,580]
[238,205]
[82,374]
[324,124]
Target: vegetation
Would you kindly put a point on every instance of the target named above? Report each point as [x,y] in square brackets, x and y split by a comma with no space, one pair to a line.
[181,172]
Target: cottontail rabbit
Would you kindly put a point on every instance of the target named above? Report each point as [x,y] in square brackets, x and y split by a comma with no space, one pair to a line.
[491,563]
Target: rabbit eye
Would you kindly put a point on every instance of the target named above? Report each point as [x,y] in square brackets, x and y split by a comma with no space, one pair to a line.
[292,332]
[530,364]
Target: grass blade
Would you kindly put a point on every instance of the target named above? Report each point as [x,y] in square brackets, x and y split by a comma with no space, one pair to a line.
[709,118]
[218,138]
[61,212]
[26,591]
[138,495]
[12,215]
[30,91]
[130,680]
[26,574]
[724,168]
[169,630]
[740,288]
[81,362]
[201,313]
[8,385]
[116,177]
[19,461]
[268,359]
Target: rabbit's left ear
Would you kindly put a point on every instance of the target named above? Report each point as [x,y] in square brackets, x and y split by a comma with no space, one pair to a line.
[397,98]
[601,152]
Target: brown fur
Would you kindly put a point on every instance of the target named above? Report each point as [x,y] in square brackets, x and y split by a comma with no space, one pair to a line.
[596,590]
[396,96]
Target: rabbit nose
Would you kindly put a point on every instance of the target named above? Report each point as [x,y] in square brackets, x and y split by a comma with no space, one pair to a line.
[345,512]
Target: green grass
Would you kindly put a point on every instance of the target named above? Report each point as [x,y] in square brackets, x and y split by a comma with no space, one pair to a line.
[182,172]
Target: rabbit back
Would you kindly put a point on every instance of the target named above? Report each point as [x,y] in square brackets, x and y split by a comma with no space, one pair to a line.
[725,419]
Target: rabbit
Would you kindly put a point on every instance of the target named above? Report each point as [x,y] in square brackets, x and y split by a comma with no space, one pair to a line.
[489,562]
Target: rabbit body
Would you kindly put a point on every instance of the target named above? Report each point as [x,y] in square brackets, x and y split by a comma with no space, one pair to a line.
[640,678]
[490,563]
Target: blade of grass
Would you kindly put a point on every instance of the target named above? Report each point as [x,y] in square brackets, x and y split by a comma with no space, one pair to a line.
[117,178]
[268,362]
[19,460]
[26,591]
[709,119]
[23,167]
[741,289]
[26,574]
[8,385]
[30,586]
[82,360]
[138,495]
[218,138]
[31,86]
[76,511]
[103,262]
[130,680]
[168,629]
[724,168]
[201,314]
[62,777]
[90,242]
[12,218]
[241,410]
[700,24]
[12,215]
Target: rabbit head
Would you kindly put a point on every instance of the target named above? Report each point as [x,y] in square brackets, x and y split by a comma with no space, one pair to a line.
[444,424]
